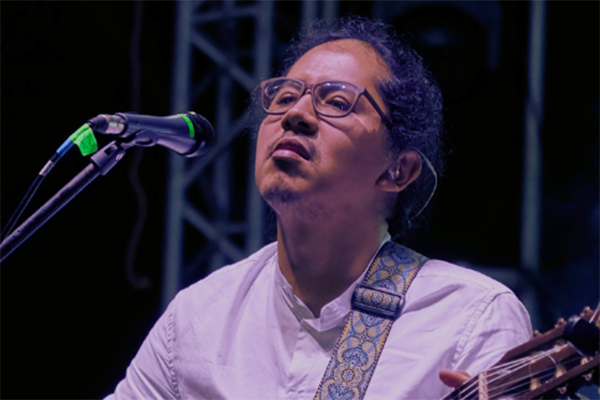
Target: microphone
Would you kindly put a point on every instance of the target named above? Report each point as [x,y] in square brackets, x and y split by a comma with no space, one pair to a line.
[188,134]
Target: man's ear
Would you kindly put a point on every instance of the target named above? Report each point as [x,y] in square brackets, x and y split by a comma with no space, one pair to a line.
[402,172]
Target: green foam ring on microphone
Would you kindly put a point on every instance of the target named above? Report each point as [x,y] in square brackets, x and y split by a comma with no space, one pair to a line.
[84,139]
[190,125]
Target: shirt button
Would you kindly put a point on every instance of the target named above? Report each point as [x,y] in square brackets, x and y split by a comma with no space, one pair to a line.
[292,396]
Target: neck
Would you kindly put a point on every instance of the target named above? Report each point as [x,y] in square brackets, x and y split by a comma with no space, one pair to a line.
[320,261]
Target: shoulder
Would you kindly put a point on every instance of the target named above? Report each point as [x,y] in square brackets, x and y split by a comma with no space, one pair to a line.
[458,277]
[456,293]
[454,318]
[480,312]
[438,274]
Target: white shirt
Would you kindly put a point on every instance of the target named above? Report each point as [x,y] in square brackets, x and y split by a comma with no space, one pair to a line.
[241,333]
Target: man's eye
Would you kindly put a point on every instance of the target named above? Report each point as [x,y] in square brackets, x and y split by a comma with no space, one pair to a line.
[339,103]
[285,98]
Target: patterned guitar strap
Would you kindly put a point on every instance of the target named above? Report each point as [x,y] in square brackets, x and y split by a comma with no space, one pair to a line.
[376,303]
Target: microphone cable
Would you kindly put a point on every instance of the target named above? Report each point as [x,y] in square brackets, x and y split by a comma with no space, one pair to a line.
[85,141]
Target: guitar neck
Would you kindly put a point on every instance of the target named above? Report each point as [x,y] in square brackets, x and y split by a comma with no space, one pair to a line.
[553,365]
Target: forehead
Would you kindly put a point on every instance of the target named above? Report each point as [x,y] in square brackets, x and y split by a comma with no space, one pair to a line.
[348,60]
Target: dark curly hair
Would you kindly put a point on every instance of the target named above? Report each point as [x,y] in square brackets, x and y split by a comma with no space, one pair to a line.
[411,95]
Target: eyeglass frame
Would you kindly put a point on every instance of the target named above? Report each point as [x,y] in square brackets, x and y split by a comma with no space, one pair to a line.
[306,88]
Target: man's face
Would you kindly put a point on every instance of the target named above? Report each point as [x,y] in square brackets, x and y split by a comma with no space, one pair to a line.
[326,163]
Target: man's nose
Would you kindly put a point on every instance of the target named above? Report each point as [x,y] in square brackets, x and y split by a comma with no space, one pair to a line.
[302,117]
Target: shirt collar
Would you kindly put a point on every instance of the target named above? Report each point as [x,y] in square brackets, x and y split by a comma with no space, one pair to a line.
[332,313]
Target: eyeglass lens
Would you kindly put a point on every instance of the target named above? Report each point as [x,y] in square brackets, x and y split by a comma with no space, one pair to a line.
[334,99]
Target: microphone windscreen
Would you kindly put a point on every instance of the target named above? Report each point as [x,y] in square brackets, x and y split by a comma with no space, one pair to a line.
[204,134]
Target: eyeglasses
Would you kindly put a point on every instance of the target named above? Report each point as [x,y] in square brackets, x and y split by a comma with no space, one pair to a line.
[330,99]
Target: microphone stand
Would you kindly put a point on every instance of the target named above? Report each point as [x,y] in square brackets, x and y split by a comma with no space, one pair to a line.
[101,162]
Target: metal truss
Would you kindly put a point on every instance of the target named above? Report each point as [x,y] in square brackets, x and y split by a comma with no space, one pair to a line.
[207,42]
[230,44]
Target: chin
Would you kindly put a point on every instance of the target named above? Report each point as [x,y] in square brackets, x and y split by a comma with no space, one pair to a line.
[278,196]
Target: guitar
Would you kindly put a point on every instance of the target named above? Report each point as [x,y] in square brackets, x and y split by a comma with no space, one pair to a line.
[553,365]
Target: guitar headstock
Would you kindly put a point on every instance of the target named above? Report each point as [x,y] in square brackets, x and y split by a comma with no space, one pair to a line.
[540,342]
[550,365]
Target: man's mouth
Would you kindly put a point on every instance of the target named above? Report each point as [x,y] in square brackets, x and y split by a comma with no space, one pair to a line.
[288,147]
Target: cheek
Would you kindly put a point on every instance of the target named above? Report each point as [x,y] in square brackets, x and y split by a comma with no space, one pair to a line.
[375,142]
[354,162]
[264,139]
[364,148]
[262,142]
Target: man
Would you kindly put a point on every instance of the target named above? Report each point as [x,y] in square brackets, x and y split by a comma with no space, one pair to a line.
[346,133]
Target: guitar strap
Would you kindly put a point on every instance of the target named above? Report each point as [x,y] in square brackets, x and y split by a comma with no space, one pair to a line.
[376,303]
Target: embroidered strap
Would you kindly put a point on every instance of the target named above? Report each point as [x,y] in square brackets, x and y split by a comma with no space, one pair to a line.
[376,303]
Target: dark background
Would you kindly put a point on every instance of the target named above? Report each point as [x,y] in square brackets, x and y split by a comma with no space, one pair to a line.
[71,321]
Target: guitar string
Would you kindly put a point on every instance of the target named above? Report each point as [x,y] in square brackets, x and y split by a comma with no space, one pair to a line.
[543,375]
[473,389]
[473,386]
[499,371]
[517,389]
[502,370]
[523,387]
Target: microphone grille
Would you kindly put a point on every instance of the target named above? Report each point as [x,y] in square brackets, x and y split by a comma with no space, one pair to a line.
[204,133]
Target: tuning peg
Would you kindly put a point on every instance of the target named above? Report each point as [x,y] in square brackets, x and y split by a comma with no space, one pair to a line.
[536,333]
[560,370]
[584,360]
[560,323]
